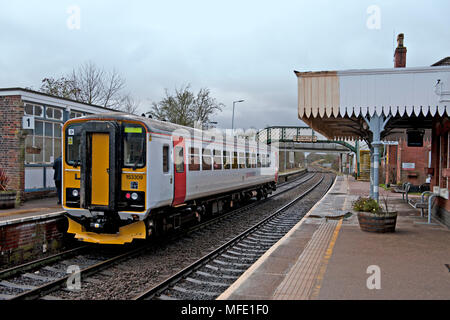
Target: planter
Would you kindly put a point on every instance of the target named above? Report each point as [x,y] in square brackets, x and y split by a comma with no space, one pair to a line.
[377,223]
[7,199]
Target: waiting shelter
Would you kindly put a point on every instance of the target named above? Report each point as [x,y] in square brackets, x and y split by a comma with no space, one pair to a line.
[378,105]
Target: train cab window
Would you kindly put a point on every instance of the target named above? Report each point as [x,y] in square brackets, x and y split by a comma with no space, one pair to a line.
[206,159]
[217,159]
[226,160]
[241,160]
[179,159]
[73,144]
[133,146]
[165,159]
[194,160]
[235,160]
[258,160]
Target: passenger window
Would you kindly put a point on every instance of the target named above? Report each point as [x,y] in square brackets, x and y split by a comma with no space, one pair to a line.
[268,161]
[165,159]
[247,160]
[253,160]
[226,160]
[235,160]
[241,160]
[217,160]
[194,163]
[258,161]
[179,159]
[206,159]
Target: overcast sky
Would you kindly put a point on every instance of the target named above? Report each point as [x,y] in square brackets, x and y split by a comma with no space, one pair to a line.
[238,49]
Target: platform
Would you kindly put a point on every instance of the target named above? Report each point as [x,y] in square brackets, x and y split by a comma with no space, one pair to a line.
[31,209]
[327,256]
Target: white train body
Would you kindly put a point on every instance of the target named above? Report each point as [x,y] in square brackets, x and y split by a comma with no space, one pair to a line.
[182,167]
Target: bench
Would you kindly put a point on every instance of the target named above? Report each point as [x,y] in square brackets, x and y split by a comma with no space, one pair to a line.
[404,190]
[423,203]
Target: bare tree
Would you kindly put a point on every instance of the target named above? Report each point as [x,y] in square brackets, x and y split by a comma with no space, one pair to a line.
[90,84]
[185,108]
[129,105]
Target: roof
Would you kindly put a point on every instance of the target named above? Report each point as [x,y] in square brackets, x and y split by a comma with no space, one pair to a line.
[25,91]
[442,62]
[327,97]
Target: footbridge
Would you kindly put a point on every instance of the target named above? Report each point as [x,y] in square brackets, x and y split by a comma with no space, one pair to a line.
[304,139]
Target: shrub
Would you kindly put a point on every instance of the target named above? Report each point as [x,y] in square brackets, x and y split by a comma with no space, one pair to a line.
[3,180]
[367,205]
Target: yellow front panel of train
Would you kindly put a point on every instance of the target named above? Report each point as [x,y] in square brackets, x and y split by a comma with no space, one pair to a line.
[100,169]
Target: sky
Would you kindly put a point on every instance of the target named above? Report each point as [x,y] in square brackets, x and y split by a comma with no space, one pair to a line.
[238,49]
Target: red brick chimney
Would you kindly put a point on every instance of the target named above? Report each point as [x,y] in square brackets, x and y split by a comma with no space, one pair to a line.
[400,53]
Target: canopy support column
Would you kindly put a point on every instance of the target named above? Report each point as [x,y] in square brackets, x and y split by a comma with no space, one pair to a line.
[376,126]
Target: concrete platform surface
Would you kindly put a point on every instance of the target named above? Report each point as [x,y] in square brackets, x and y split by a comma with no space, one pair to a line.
[327,256]
[30,209]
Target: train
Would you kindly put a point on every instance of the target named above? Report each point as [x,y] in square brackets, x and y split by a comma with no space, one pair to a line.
[129,177]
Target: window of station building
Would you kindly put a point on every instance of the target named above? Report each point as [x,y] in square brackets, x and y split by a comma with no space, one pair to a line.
[226,160]
[75,114]
[33,110]
[241,160]
[217,159]
[235,160]
[43,145]
[194,161]
[53,113]
[206,159]
[165,159]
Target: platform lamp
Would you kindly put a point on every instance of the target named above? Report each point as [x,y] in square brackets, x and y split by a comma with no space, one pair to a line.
[232,120]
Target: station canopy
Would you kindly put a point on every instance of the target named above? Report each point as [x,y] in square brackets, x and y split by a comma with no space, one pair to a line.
[335,103]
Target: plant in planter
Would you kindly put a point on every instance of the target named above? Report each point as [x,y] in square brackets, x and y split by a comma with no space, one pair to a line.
[7,197]
[374,218]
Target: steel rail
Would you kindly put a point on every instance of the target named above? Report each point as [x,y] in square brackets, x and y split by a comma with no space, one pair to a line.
[169,282]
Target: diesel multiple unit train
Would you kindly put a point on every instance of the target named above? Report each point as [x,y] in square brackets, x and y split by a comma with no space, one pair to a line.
[128,177]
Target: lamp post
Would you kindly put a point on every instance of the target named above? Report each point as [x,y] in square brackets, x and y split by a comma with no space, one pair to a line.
[232,120]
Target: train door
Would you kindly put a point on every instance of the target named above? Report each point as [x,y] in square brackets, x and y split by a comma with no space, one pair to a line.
[179,172]
[99,171]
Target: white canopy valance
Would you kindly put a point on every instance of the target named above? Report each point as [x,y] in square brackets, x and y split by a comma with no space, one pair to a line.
[352,93]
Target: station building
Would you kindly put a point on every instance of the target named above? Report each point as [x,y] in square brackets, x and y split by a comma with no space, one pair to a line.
[30,137]
[394,104]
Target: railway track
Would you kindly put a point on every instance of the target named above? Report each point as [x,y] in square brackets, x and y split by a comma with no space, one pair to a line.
[208,277]
[39,279]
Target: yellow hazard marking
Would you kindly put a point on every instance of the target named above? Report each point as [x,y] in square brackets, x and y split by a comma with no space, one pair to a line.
[325,259]
[126,233]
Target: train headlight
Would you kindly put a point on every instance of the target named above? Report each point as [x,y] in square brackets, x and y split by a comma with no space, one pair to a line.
[75,192]
[134,196]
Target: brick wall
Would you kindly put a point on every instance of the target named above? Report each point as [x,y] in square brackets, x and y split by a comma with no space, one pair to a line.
[12,142]
[26,241]
[394,173]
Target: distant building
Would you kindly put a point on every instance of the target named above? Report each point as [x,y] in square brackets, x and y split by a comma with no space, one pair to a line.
[30,131]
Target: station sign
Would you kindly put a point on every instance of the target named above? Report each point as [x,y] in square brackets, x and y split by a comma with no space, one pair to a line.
[28,122]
